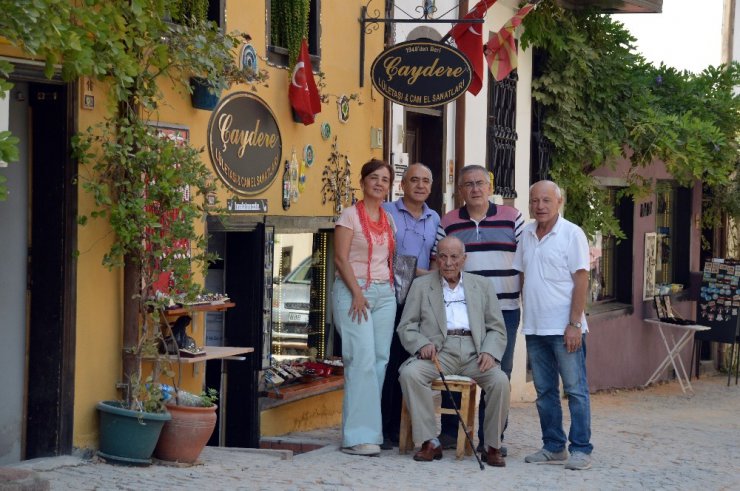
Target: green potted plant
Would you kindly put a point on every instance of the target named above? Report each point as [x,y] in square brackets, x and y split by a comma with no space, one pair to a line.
[151,189]
[193,420]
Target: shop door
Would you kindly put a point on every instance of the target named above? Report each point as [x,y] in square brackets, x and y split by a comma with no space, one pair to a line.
[424,142]
[38,300]
[244,270]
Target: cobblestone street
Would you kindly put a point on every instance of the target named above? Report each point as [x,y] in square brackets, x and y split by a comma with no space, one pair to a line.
[644,439]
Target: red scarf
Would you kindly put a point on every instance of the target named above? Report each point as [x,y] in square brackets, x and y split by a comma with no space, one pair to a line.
[377,232]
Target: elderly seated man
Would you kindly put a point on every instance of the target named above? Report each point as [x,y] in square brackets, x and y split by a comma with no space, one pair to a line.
[455,317]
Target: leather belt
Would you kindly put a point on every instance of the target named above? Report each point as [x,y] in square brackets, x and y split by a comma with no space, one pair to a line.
[458,332]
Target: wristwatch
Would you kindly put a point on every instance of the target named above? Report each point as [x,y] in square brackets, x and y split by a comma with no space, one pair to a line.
[577,325]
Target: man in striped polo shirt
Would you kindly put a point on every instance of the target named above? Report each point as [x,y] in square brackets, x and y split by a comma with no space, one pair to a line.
[490,233]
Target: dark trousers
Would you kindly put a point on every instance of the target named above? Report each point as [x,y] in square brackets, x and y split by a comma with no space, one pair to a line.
[391,396]
[450,421]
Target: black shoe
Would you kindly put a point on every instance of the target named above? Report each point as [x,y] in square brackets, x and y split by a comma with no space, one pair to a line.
[387,444]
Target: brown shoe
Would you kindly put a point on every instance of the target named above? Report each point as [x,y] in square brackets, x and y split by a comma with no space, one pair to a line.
[428,452]
[494,457]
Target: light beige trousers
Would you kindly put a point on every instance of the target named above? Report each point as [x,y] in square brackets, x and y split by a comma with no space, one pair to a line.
[457,357]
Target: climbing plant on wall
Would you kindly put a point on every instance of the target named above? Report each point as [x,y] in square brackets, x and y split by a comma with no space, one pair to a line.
[289,25]
[603,101]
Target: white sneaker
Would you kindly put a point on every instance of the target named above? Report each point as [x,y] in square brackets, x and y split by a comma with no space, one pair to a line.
[578,461]
[369,449]
[543,456]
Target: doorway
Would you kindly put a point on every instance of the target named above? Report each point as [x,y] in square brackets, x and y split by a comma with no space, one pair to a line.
[37,254]
[424,142]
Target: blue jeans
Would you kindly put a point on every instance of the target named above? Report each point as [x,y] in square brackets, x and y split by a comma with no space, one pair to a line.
[548,359]
[365,350]
[449,422]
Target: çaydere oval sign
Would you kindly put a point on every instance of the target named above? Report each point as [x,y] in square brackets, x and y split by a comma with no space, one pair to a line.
[421,73]
[244,143]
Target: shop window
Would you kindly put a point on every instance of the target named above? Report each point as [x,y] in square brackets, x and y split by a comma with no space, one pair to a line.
[611,258]
[277,51]
[299,300]
[673,226]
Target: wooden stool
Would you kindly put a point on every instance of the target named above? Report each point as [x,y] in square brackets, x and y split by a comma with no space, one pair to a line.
[468,390]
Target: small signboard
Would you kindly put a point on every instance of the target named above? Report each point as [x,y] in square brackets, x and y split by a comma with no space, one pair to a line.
[244,143]
[246,205]
[719,301]
[421,73]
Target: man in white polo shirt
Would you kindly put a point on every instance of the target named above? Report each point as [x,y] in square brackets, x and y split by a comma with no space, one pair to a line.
[553,260]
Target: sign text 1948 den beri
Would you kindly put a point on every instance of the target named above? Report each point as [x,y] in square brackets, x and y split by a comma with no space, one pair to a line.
[421,73]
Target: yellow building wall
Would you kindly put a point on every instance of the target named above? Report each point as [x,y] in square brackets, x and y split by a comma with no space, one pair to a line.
[99,291]
[99,313]
[315,412]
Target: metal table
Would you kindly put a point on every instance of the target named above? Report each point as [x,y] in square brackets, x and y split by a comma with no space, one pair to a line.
[674,347]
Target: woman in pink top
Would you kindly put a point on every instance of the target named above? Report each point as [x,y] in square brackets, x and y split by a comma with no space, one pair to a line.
[364,307]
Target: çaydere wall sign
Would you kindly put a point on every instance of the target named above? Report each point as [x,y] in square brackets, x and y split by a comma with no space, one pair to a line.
[244,143]
[421,73]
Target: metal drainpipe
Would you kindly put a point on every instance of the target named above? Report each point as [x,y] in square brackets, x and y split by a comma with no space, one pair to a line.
[460,124]
[387,105]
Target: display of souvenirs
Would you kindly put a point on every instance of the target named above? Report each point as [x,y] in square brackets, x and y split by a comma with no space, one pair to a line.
[719,301]
[308,154]
[343,108]
[286,186]
[294,172]
[325,131]
[664,309]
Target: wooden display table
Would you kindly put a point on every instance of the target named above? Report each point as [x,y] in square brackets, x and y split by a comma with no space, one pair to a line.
[198,308]
[211,353]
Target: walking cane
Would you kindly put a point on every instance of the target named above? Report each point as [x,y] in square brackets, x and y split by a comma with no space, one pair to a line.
[449,394]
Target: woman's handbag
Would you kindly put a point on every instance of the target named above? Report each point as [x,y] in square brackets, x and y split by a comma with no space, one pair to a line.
[404,271]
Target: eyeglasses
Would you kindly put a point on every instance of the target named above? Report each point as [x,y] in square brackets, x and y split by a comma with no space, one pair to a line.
[411,227]
[470,185]
[450,302]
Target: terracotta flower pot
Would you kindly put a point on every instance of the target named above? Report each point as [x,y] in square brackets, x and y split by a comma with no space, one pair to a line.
[186,434]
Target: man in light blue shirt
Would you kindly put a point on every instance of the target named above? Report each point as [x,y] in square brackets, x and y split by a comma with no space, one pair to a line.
[416,229]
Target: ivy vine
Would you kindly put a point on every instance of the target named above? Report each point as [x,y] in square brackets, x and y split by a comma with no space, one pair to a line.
[289,25]
[603,101]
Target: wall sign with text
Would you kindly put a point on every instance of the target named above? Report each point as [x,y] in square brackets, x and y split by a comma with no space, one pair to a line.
[421,73]
[244,143]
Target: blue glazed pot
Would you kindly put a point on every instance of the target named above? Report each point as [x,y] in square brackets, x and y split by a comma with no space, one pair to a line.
[128,437]
[204,96]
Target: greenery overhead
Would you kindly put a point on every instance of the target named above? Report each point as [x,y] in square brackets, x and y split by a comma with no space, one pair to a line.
[603,101]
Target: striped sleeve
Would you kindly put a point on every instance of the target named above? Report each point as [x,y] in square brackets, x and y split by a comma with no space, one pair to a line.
[441,234]
[518,225]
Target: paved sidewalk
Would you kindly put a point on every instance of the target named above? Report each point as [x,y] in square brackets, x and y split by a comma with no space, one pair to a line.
[644,439]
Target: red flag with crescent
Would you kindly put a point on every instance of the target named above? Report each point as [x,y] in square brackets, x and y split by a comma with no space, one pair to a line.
[303,94]
[469,40]
[500,49]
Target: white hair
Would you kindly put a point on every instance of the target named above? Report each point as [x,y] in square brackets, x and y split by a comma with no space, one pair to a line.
[558,191]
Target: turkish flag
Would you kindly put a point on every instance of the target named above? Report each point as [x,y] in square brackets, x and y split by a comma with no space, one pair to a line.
[469,40]
[303,94]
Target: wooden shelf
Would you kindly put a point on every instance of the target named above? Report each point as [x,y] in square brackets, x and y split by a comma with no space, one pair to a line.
[198,308]
[298,390]
[211,353]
